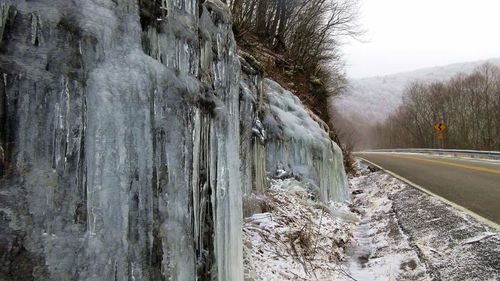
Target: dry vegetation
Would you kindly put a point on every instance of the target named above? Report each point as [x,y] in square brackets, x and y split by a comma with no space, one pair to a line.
[296,43]
[298,239]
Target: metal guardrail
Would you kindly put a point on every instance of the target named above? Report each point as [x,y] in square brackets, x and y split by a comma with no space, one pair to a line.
[455,152]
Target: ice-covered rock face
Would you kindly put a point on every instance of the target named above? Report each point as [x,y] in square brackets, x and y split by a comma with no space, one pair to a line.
[128,138]
[280,139]
[119,141]
[299,145]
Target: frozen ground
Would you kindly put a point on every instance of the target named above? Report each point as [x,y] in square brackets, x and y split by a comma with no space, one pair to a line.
[381,251]
[390,231]
[296,239]
[405,234]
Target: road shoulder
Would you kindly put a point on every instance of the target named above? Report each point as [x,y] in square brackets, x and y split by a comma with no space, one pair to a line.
[431,239]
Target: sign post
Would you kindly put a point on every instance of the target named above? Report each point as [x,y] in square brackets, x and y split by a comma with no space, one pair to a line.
[440,127]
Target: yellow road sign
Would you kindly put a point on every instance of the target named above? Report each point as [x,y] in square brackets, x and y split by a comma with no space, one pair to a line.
[440,136]
[440,127]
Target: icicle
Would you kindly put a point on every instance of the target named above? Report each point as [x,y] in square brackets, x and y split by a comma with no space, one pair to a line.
[196,176]
[66,118]
[4,15]
[259,167]
[36,30]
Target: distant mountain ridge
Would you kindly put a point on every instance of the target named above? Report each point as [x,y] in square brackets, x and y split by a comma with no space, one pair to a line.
[371,100]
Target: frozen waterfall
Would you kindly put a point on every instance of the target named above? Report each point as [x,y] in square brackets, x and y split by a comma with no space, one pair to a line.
[130,136]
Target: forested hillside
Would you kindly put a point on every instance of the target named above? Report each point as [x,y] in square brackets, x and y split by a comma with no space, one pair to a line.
[297,43]
[369,101]
[468,104]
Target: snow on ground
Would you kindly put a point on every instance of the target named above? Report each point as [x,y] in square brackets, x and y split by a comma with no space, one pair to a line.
[427,238]
[390,231]
[382,251]
[297,239]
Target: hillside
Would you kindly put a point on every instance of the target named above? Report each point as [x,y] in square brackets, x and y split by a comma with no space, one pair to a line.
[371,99]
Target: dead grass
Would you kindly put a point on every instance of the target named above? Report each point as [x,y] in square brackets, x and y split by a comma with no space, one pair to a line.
[303,232]
[274,64]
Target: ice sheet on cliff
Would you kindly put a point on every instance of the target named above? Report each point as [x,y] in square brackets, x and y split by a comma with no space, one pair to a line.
[120,135]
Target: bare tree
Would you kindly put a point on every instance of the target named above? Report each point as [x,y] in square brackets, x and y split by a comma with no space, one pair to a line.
[468,104]
[307,30]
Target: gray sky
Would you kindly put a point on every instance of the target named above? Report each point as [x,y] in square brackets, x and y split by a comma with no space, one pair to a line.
[404,35]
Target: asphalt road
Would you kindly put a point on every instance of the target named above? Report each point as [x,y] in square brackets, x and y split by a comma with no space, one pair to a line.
[471,183]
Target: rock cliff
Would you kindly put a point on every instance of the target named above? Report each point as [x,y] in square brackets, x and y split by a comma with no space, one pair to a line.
[130,133]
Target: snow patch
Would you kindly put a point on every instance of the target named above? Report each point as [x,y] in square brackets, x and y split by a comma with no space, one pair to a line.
[297,239]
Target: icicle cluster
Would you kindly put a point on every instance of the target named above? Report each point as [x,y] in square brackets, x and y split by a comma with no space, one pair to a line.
[128,138]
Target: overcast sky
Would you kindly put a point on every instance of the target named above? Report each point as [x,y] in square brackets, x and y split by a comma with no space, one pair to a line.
[404,35]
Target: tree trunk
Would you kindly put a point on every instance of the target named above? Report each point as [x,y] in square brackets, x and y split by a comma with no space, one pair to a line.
[282,16]
[260,20]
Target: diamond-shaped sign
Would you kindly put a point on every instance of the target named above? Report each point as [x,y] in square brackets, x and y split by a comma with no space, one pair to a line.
[440,127]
